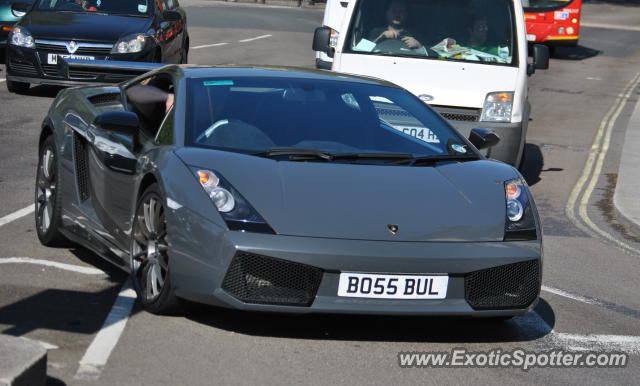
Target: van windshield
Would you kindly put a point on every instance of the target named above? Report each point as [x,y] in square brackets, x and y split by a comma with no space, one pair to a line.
[480,31]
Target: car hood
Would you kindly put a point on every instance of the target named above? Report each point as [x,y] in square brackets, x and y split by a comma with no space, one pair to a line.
[451,202]
[83,26]
[449,83]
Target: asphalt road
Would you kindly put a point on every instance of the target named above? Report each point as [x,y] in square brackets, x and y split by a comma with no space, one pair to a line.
[589,301]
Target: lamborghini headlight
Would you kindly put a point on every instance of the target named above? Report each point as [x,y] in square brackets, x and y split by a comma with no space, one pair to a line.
[234,209]
[21,37]
[130,44]
[497,107]
[520,222]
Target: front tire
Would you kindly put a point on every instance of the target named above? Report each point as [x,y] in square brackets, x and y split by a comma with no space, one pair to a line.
[17,87]
[47,196]
[149,255]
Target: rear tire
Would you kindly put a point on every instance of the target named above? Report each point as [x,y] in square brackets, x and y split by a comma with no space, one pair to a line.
[17,87]
[47,196]
[149,255]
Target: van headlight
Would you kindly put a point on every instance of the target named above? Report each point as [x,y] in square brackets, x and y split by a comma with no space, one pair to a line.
[333,38]
[21,37]
[497,107]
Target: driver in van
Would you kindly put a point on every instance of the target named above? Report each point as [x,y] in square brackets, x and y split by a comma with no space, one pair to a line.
[396,18]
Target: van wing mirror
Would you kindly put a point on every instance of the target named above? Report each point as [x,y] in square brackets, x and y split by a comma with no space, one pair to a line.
[540,59]
[321,40]
[483,138]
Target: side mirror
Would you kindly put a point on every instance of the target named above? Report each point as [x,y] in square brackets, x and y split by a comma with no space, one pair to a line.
[540,59]
[172,15]
[321,41]
[20,9]
[121,122]
[483,138]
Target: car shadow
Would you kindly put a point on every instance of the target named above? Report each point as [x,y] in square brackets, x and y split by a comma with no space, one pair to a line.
[115,274]
[60,310]
[43,91]
[532,326]
[574,53]
[532,164]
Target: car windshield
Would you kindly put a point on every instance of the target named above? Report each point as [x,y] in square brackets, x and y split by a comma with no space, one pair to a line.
[308,116]
[546,5]
[115,7]
[465,30]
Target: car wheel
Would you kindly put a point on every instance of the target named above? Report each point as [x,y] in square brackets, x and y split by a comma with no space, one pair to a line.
[17,87]
[47,197]
[149,255]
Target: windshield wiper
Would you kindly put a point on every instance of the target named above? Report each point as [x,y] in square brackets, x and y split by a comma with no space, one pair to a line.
[396,157]
[431,159]
[295,152]
[302,154]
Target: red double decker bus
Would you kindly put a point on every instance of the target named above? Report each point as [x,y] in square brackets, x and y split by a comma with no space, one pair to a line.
[553,22]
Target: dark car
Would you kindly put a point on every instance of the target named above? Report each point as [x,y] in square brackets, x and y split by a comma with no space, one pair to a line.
[8,18]
[130,30]
[279,189]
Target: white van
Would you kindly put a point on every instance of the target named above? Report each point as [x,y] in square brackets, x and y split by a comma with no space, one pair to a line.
[467,59]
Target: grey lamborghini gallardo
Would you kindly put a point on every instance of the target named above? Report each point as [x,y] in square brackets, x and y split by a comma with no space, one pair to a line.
[288,190]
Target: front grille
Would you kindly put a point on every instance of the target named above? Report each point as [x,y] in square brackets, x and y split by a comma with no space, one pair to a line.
[458,113]
[50,70]
[259,279]
[393,113]
[82,166]
[506,286]
[23,68]
[62,49]
[82,75]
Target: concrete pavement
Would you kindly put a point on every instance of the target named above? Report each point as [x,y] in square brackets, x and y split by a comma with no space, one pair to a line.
[626,198]
[24,362]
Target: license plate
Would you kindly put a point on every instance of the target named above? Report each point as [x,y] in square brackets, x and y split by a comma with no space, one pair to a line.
[421,133]
[381,286]
[53,58]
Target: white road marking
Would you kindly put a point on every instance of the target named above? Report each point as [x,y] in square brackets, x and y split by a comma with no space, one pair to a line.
[97,355]
[611,26]
[47,345]
[601,343]
[569,295]
[593,78]
[54,264]
[2,80]
[17,214]
[208,45]
[256,38]
[533,323]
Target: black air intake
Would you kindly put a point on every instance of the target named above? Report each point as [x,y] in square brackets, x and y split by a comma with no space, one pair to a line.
[82,165]
[259,279]
[503,287]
